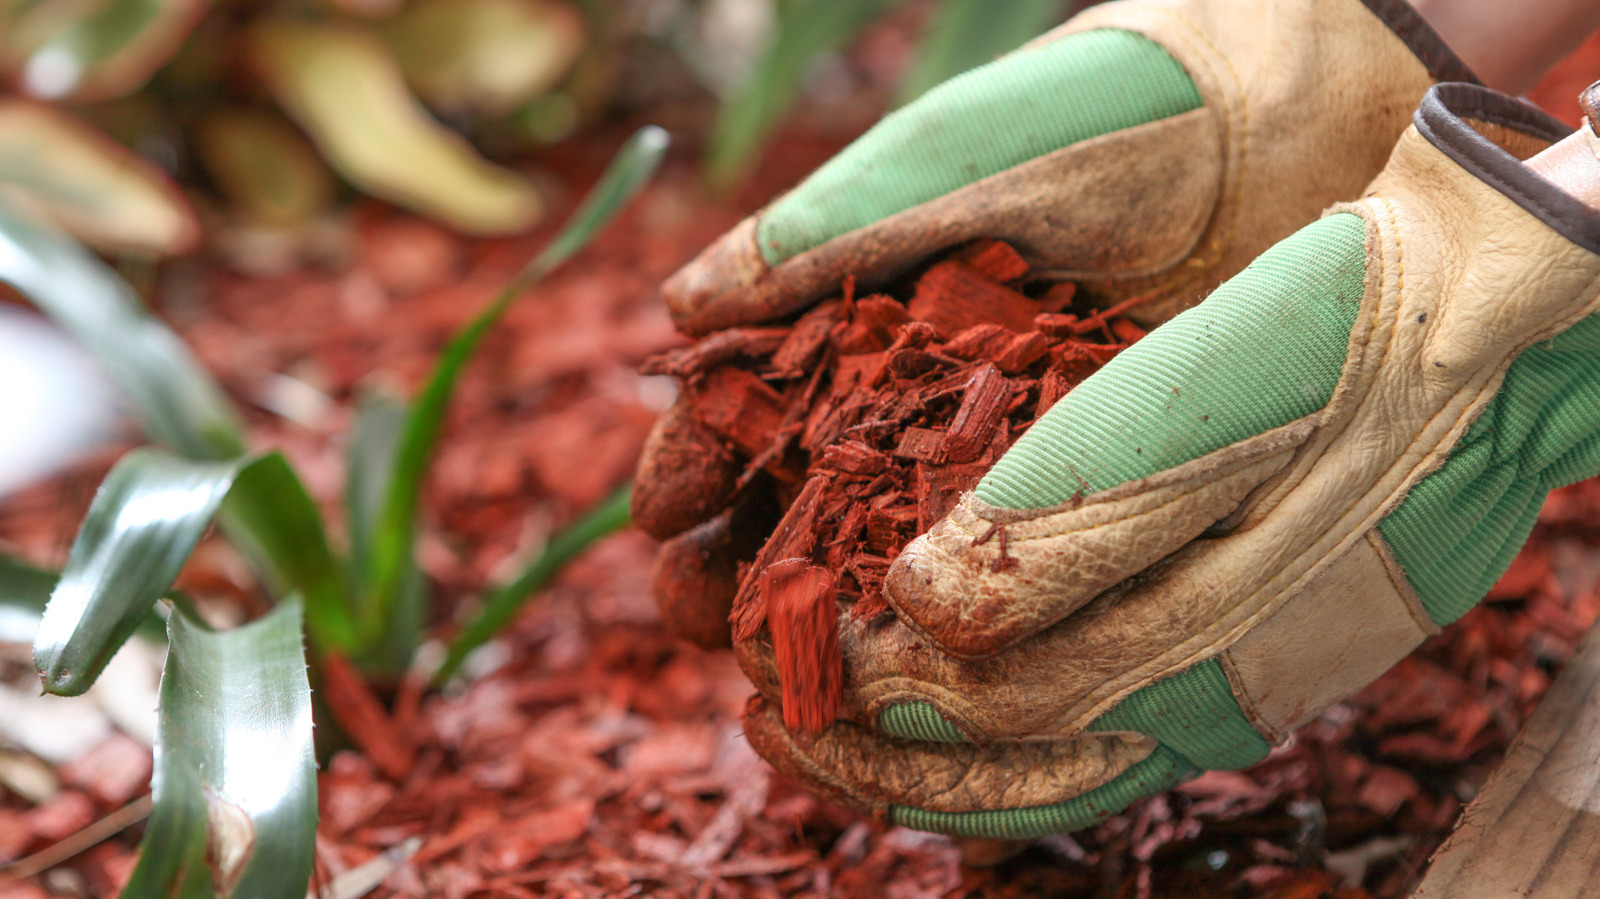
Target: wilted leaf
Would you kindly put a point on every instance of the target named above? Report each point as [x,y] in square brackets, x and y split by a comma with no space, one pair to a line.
[95,50]
[487,56]
[344,87]
[265,167]
[610,516]
[392,534]
[805,30]
[176,402]
[235,780]
[969,33]
[61,170]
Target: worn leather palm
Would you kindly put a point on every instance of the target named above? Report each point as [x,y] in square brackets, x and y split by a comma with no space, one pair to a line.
[1146,147]
[1288,488]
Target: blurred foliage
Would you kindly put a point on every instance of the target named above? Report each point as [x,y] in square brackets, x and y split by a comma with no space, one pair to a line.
[198,79]
[959,35]
[234,784]
[272,99]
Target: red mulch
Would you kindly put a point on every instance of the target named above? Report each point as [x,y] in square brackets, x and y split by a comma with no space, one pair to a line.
[603,757]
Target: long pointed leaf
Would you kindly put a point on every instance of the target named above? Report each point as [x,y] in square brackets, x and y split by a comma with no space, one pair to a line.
[629,170]
[374,442]
[270,516]
[24,592]
[610,516]
[234,784]
[968,33]
[805,30]
[145,520]
[176,402]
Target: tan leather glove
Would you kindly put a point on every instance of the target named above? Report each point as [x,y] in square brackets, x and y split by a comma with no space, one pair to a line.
[1288,488]
[1144,147]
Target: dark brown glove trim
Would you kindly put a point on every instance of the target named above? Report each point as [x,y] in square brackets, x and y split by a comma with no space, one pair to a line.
[1440,119]
[1435,55]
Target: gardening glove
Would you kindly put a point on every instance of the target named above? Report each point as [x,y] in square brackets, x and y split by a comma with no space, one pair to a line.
[1246,516]
[1144,148]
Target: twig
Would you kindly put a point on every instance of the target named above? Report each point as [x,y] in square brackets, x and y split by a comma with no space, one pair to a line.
[103,829]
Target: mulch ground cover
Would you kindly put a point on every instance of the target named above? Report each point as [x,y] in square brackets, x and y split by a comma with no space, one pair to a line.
[594,754]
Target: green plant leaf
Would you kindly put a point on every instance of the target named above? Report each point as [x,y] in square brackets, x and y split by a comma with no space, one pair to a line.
[374,440]
[805,30]
[969,33]
[235,787]
[60,170]
[96,50]
[396,525]
[608,517]
[24,592]
[145,520]
[270,516]
[344,87]
[176,402]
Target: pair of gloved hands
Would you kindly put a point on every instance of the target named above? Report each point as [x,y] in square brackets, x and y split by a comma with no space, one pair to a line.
[1289,485]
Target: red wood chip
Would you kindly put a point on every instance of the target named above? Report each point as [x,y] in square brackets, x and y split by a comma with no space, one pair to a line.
[803,615]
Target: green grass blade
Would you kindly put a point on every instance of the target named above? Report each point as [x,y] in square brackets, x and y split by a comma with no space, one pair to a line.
[270,516]
[608,517]
[145,520]
[235,784]
[177,403]
[380,419]
[805,30]
[392,535]
[968,33]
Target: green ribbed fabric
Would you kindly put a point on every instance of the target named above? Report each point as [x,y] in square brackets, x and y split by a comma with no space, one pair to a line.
[918,721]
[1263,350]
[1194,713]
[1458,529]
[1161,770]
[1017,108]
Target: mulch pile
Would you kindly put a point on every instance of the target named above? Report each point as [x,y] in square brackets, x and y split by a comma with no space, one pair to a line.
[594,754]
[866,419]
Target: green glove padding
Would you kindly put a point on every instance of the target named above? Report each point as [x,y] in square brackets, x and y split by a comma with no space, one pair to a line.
[976,124]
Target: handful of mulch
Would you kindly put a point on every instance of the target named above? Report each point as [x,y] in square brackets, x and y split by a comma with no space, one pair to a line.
[800,459]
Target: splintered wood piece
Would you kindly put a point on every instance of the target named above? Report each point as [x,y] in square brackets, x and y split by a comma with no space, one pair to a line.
[795,357]
[987,341]
[855,457]
[987,396]
[881,313]
[1023,351]
[740,408]
[1052,387]
[995,259]
[1533,829]
[1058,296]
[953,296]
[921,444]
[803,615]
[795,536]
[719,348]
